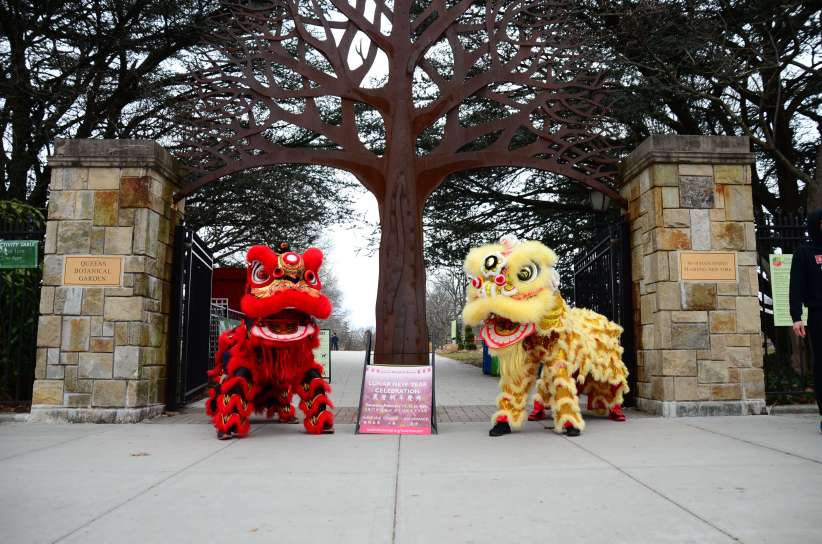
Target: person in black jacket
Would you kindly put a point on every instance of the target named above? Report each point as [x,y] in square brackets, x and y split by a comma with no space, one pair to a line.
[806,288]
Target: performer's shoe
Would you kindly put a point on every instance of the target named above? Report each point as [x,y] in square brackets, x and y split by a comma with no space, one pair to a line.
[224,436]
[500,428]
[538,413]
[616,413]
[570,430]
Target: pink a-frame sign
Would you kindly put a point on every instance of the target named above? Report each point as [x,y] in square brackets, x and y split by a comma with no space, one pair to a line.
[397,400]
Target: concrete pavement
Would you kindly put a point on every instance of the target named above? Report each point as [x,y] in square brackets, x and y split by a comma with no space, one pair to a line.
[730,479]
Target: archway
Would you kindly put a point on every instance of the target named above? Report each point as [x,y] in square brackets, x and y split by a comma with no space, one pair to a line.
[465,87]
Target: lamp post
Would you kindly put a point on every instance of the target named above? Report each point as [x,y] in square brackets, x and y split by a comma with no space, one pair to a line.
[599,204]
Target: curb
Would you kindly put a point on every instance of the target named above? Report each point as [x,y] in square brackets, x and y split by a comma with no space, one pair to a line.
[21,417]
[777,410]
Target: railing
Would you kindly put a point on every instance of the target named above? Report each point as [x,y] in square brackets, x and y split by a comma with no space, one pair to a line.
[223,318]
[787,359]
[19,307]
[190,321]
[367,341]
[602,283]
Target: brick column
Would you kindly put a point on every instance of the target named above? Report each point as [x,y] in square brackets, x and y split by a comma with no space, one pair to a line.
[101,351]
[699,351]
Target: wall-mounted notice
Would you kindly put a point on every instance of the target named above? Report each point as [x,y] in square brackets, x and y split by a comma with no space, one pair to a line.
[93,270]
[707,265]
[396,400]
[18,254]
[323,353]
[780,290]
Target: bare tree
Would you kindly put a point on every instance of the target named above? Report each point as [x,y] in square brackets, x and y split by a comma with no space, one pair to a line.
[445,299]
[83,69]
[469,84]
[726,67]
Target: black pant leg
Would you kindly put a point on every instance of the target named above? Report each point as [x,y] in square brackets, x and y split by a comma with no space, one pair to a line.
[814,331]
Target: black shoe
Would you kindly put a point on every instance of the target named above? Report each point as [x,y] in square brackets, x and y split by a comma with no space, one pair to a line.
[571,431]
[501,428]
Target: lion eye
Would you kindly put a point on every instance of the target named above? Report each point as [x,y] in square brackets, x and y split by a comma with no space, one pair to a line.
[527,272]
[258,273]
[491,262]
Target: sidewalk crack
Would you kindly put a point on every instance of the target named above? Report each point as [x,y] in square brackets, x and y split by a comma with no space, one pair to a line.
[149,488]
[27,452]
[654,491]
[752,443]
[396,490]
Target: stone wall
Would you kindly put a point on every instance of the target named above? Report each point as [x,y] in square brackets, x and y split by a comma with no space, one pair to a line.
[700,347]
[101,351]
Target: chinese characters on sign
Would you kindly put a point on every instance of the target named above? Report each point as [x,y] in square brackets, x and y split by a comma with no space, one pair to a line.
[780,287]
[18,254]
[396,400]
[96,270]
[707,266]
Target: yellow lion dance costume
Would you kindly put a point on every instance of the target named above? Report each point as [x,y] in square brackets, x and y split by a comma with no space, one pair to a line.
[514,294]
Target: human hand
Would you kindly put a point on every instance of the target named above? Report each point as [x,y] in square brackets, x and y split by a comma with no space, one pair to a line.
[799,329]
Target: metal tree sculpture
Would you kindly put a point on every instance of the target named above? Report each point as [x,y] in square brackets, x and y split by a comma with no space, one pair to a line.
[468,84]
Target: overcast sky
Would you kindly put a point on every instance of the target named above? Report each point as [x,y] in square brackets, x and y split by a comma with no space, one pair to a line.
[347,258]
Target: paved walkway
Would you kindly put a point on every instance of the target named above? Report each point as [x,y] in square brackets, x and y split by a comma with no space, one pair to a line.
[464,393]
[649,480]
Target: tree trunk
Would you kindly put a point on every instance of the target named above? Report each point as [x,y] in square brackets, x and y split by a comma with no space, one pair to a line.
[402,334]
[815,186]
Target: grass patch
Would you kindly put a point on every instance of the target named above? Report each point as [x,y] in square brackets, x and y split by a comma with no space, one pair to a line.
[469,357]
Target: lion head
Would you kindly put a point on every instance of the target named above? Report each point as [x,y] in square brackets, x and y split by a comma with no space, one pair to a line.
[512,287]
[283,293]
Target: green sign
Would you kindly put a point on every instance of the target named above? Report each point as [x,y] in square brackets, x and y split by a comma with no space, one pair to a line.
[18,254]
[226,324]
[323,353]
[780,290]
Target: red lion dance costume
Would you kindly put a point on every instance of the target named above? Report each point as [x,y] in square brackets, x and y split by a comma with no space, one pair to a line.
[263,362]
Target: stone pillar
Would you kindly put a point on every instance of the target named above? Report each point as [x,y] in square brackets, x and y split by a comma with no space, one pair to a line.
[700,348]
[101,351]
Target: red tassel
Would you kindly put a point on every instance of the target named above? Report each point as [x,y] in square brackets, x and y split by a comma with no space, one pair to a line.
[319,424]
[312,406]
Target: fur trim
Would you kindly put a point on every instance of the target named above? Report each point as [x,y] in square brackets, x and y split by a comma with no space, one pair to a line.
[513,361]
[321,423]
[520,311]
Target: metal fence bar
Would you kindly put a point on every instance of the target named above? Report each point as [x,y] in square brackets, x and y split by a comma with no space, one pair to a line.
[602,282]
[219,313]
[19,312]
[787,359]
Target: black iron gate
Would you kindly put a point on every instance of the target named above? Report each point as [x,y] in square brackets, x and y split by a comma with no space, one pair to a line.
[786,358]
[602,282]
[19,306]
[189,358]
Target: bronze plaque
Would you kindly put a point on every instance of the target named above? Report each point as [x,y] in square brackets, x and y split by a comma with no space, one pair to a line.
[707,266]
[96,270]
